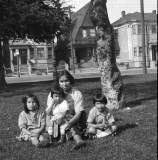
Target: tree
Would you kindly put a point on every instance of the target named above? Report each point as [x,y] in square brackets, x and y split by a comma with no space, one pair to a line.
[112,83]
[32,19]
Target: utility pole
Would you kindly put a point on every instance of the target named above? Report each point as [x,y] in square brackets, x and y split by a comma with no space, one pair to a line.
[54,62]
[71,37]
[143,36]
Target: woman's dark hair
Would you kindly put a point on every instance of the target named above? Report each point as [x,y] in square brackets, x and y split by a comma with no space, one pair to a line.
[100,98]
[57,90]
[24,101]
[67,75]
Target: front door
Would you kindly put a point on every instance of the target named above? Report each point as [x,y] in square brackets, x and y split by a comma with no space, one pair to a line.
[23,56]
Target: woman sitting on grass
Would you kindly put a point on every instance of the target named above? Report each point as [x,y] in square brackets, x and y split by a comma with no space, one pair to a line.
[32,123]
[74,98]
[100,121]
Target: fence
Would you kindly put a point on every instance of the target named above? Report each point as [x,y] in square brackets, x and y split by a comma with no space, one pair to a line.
[44,69]
[35,69]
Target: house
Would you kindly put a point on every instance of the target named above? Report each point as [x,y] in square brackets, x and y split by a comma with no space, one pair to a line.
[38,55]
[83,40]
[128,39]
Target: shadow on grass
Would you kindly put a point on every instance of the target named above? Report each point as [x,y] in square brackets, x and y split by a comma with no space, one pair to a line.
[125,127]
[138,93]
[140,101]
[137,89]
[2,149]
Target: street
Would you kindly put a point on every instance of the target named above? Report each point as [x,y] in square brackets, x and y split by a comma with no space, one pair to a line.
[82,75]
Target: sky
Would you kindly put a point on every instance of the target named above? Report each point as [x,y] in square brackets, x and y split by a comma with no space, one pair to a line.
[115,7]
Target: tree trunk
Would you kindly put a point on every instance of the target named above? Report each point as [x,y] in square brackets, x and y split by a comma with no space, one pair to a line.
[2,75]
[111,80]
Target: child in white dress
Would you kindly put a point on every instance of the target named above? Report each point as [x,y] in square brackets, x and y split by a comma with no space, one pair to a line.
[57,114]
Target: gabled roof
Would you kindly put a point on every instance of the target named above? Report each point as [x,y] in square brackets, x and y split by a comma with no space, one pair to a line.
[135,17]
[81,18]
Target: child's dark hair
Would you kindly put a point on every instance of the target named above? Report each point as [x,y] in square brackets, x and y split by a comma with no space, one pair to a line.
[24,101]
[68,76]
[100,98]
[57,90]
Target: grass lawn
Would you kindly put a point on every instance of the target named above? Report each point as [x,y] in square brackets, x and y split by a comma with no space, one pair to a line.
[136,140]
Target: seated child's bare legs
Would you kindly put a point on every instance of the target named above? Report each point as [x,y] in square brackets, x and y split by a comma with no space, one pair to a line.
[34,141]
[100,134]
[93,130]
[63,134]
[43,141]
[50,130]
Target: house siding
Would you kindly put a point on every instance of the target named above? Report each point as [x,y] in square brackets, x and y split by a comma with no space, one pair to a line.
[126,40]
[123,44]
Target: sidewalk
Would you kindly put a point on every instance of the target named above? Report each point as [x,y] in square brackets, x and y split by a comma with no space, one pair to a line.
[78,75]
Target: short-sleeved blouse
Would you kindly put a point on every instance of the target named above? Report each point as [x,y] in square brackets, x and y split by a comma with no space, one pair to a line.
[74,99]
[29,122]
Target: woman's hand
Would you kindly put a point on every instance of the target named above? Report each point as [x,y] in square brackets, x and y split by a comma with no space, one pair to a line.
[69,126]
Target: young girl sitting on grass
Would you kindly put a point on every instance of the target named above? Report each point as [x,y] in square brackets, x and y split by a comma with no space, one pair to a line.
[32,123]
[100,121]
[57,114]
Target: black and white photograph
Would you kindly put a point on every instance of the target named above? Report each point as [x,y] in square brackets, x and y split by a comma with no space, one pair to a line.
[78,79]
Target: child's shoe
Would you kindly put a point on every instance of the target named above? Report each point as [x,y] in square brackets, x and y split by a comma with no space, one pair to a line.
[43,143]
[92,136]
[50,140]
[79,145]
[62,139]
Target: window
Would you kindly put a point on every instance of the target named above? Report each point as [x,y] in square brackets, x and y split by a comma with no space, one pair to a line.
[116,33]
[40,53]
[134,29]
[49,53]
[84,33]
[92,33]
[140,51]
[154,29]
[146,29]
[139,29]
[135,51]
[31,53]
[117,53]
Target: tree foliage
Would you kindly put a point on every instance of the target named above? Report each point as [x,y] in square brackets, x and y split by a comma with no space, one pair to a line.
[32,19]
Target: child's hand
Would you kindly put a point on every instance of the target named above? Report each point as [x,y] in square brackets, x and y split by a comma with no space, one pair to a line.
[103,126]
[59,121]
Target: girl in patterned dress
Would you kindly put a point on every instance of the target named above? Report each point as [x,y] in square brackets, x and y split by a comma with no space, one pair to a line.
[32,122]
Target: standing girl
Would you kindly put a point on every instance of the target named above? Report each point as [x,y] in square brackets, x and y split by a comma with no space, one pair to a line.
[76,104]
[57,114]
[32,122]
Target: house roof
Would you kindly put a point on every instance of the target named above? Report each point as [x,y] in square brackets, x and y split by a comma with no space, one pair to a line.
[135,17]
[13,43]
[81,18]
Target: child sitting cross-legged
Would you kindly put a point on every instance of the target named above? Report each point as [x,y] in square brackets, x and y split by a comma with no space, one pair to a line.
[57,114]
[32,123]
[100,121]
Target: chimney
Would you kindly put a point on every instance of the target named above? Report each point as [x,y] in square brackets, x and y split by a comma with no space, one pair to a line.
[123,13]
[154,11]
